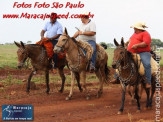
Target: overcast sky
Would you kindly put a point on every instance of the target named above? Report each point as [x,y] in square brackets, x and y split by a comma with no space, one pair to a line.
[113,18]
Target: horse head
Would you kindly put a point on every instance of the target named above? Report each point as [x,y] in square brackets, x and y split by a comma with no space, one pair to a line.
[62,42]
[120,54]
[22,54]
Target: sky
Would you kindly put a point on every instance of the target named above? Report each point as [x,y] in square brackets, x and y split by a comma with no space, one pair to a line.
[113,18]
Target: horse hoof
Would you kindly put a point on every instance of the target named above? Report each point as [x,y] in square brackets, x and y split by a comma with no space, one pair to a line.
[98,95]
[150,108]
[68,98]
[138,111]
[119,112]
[47,92]
[61,91]
[27,91]
[81,90]
[131,103]
[88,98]
[145,108]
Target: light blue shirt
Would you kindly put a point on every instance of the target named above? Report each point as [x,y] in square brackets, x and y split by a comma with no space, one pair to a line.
[53,29]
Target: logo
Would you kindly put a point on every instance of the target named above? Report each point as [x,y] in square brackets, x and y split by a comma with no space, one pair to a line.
[17,112]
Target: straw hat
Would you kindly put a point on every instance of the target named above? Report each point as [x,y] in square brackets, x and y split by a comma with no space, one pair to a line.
[139,25]
[85,13]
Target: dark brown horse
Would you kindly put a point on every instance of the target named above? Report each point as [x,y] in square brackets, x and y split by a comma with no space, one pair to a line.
[39,61]
[129,75]
[78,62]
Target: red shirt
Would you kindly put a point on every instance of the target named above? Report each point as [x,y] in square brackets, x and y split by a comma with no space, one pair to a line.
[137,38]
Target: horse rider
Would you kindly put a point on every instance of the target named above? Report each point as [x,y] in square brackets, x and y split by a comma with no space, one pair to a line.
[140,43]
[53,31]
[87,32]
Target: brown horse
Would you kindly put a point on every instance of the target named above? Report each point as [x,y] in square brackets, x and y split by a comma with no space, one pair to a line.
[78,62]
[128,74]
[39,61]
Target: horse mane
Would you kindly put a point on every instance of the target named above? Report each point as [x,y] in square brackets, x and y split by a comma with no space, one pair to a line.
[85,46]
[74,40]
[35,45]
[131,59]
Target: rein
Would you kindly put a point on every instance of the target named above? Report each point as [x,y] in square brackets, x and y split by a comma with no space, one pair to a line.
[64,43]
[71,66]
[132,71]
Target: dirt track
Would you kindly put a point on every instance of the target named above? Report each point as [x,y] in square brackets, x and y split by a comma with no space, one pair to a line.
[53,107]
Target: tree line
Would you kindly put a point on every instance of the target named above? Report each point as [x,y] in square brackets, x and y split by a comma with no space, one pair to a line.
[156,42]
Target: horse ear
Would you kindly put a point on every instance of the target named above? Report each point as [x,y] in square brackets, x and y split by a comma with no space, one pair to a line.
[115,42]
[22,44]
[66,31]
[122,42]
[17,44]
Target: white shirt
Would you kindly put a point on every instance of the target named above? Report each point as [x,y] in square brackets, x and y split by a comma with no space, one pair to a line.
[53,29]
[85,28]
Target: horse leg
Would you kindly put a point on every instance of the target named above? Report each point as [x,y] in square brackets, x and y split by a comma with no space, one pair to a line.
[101,80]
[131,92]
[123,99]
[137,99]
[29,80]
[77,76]
[153,91]
[61,74]
[72,86]
[83,79]
[140,90]
[47,81]
[147,92]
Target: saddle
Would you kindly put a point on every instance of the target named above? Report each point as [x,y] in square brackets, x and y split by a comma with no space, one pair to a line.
[154,65]
[49,48]
[48,45]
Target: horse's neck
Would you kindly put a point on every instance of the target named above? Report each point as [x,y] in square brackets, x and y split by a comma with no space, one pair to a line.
[33,51]
[127,65]
[72,50]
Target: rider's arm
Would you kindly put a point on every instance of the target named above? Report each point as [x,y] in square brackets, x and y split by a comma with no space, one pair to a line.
[142,44]
[42,34]
[88,33]
[76,34]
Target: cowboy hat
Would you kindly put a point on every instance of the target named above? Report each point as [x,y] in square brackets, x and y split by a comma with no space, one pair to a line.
[139,25]
[53,15]
[85,14]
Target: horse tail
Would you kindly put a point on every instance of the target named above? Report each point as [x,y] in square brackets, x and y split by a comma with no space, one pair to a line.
[107,71]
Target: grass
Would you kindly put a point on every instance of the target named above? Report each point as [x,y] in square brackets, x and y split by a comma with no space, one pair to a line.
[8,56]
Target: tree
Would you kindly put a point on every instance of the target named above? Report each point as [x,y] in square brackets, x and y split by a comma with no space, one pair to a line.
[29,42]
[110,45]
[157,42]
[103,44]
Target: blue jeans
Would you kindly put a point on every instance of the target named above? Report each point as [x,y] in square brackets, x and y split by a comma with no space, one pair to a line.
[93,59]
[146,60]
[55,56]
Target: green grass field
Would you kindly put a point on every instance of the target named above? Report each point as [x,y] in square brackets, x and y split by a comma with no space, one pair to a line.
[8,56]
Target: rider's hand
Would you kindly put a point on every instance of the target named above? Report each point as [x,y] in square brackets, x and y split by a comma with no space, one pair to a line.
[134,47]
[42,37]
[80,32]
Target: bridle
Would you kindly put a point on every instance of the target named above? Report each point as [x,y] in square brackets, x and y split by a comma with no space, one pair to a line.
[26,56]
[66,41]
[120,60]
[73,68]
[128,79]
